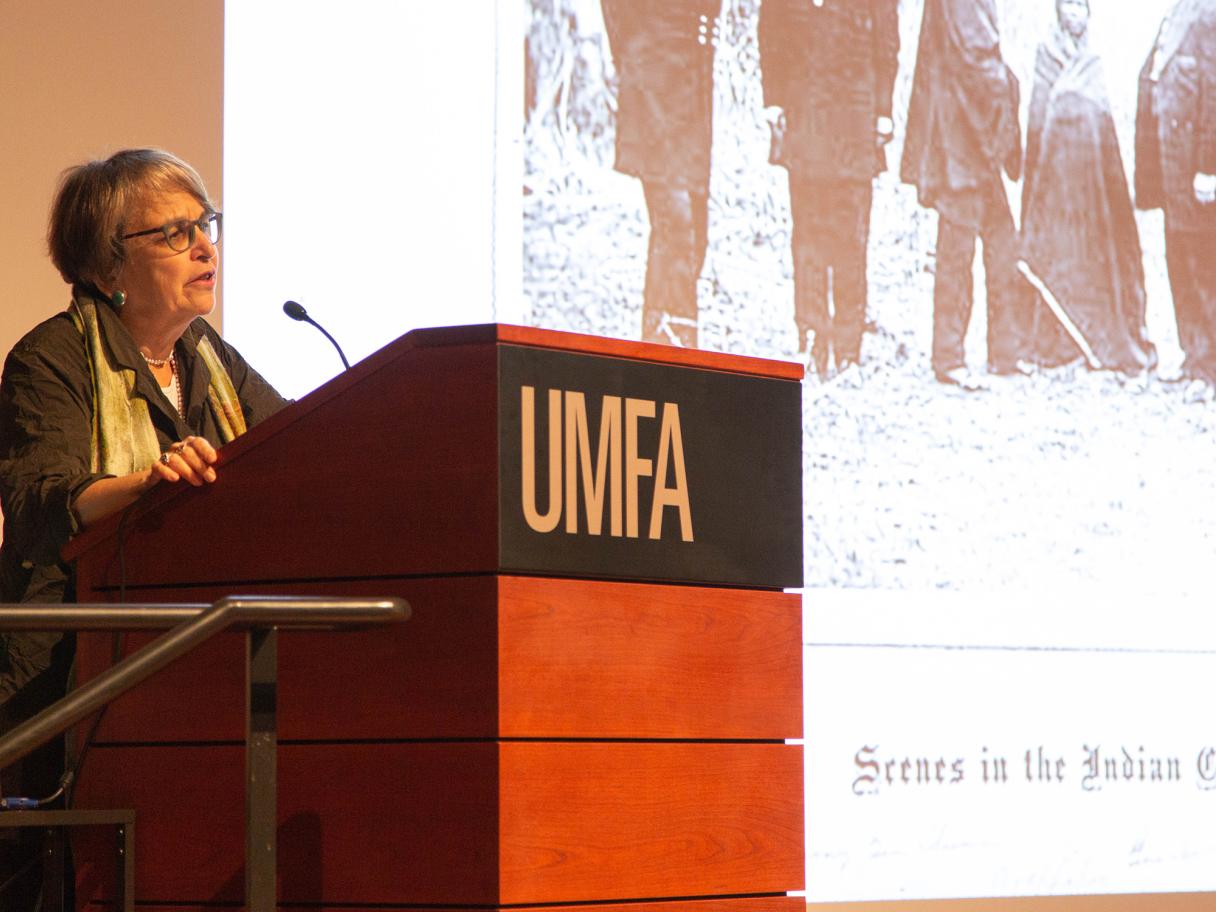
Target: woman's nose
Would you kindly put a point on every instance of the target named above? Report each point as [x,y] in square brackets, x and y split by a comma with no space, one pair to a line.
[204,248]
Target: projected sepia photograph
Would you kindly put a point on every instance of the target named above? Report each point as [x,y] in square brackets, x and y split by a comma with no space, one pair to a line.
[977,223]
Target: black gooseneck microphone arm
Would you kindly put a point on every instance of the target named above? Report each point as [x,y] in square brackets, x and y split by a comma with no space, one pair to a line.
[297,312]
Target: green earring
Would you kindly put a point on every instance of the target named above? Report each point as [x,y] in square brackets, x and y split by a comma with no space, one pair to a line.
[118,299]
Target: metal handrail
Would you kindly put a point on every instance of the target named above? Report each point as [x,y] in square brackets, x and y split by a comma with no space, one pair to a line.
[194,624]
[307,612]
[190,625]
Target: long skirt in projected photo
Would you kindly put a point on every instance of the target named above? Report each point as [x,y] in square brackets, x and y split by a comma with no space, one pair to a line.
[1080,239]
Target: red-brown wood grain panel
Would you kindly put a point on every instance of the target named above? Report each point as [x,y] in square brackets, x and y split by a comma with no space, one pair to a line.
[602,660]
[621,820]
[486,657]
[357,823]
[402,477]
[433,676]
[473,823]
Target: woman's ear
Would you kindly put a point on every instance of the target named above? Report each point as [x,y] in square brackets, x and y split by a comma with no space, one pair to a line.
[109,291]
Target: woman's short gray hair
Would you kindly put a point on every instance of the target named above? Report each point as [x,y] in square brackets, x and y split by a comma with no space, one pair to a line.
[93,202]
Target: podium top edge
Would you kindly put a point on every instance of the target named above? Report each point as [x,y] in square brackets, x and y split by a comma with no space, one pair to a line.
[605,346]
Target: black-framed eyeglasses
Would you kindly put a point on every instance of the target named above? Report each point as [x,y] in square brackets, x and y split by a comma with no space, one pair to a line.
[179,234]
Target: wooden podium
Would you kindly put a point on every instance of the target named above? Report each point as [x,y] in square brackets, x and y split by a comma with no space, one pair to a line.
[591,701]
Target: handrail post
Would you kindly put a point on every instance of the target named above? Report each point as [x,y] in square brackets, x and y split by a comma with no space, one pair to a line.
[52,870]
[261,769]
[125,878]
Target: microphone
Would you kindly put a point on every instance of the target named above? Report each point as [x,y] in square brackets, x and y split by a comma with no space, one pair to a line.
[297,312]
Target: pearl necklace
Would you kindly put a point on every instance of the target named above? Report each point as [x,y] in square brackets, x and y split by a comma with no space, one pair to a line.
[174,378]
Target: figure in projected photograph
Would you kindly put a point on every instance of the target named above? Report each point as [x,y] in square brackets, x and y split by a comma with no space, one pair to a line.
[664,56]
[1176,169]
[828,71]
[963,130]
[1080,241]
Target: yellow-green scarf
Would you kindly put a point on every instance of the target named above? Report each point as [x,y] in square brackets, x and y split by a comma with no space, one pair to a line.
[225,405]
[123,439]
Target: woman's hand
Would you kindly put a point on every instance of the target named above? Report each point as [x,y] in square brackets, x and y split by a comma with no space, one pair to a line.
[189,460]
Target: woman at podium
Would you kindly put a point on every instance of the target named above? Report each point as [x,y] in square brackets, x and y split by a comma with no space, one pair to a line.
[127,389]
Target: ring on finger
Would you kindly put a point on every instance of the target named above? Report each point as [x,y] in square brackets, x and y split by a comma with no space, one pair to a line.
[164,458]
[179,446]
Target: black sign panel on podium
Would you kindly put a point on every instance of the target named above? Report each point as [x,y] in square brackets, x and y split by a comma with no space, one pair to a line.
[634,470]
